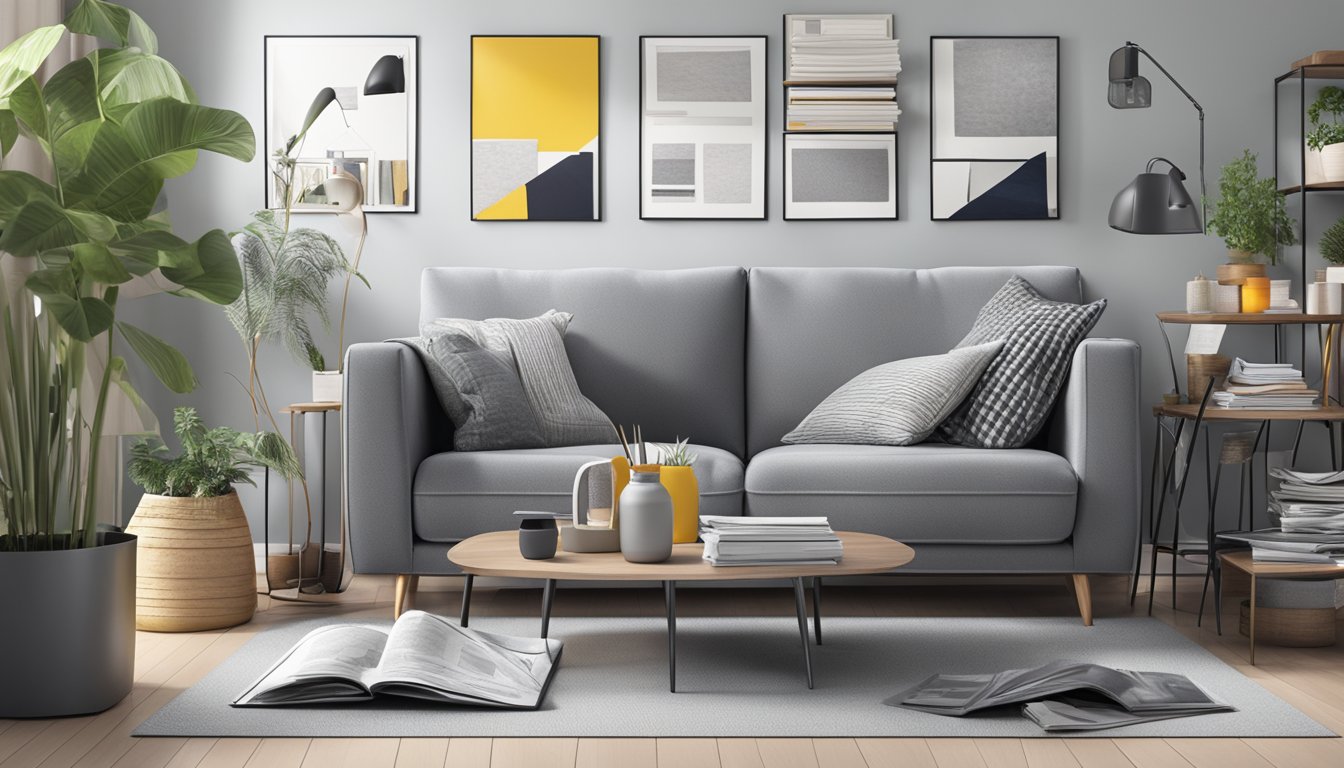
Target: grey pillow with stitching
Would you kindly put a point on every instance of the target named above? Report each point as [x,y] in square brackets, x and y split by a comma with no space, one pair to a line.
[896,403]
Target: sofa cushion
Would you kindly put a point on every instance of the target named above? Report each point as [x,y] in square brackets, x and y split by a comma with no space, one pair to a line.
[659,348]
[810,330]
[462,494]
[1017,391]
[928,493]
[896,403]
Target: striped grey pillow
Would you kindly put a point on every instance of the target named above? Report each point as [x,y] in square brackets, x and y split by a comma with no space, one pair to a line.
[897,403]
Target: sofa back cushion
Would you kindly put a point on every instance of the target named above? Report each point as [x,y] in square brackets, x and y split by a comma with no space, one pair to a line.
[809,330]
[661,348]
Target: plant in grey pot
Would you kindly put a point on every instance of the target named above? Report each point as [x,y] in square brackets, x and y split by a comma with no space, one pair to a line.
[111,127]
[1250,215]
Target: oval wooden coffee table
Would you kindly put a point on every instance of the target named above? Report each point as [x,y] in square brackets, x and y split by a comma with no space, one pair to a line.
[496,554]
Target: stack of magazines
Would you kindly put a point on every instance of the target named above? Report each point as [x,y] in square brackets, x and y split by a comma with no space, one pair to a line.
[1267,386]
[842,49]
[1308,502]
[769,541]
[1275,545]
[1103,697]
[843,109]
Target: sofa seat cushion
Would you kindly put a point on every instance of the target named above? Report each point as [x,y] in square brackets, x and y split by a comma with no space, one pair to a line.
[928,493]
[462,494]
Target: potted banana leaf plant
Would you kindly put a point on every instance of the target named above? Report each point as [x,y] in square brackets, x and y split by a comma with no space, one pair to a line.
[112,126]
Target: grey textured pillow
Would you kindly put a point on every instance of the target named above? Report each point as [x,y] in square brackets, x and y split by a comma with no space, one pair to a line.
[481,393]
[536,350]
[1018,389]
[897,403]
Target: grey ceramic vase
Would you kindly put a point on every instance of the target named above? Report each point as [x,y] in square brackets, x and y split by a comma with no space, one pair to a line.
[646,519]
[537,538]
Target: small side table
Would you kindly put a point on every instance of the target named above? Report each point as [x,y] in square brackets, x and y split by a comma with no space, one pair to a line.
[1242,561]
[330,573]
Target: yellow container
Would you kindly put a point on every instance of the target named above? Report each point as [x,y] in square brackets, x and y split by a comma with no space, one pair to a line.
[685,492]
[1255,295]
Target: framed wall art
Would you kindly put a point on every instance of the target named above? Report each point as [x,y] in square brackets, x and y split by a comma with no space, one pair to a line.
[995,128]
[702,140]
[368,130]
[535,141]
[840,176]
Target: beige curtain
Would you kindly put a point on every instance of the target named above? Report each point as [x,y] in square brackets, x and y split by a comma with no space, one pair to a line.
[17,18]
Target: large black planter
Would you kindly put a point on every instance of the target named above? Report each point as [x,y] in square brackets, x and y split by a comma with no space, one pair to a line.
[68,639]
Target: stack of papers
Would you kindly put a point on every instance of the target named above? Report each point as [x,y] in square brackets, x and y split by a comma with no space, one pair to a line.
[1279,546]
[1268,386]
[769,541]
[842,109]
[1309,502]
[842,48]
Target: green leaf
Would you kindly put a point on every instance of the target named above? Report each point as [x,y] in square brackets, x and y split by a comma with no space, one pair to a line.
[218,278]
[71,96]
[16,189]
[112,22]
[127,163]
[38,226]
[128,76]
[71,150]
[99,264]
[9,131]
[148,250]
[30,109]
[122,379]
[21,58]
[83,317]
[168,365]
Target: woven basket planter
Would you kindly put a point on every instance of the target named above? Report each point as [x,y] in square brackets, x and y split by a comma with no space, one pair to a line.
[194,564]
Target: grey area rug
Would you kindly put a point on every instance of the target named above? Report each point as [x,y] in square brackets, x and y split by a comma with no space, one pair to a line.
[744,677]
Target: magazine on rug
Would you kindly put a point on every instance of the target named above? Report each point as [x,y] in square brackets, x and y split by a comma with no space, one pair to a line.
[422,656]
[1123,697]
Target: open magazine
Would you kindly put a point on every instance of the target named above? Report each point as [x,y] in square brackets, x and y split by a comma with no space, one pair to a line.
[1122,697]
[422,656]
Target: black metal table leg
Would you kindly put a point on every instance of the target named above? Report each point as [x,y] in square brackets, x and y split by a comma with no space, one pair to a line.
[547,595]
[816,607]
[802,627]
[466,599]
[670,597]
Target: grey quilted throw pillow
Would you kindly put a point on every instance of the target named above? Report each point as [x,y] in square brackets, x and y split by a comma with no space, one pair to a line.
[1017,391]
[480,391]
[896,403]
[536,348]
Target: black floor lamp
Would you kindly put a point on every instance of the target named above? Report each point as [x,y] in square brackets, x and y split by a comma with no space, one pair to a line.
[1153,203]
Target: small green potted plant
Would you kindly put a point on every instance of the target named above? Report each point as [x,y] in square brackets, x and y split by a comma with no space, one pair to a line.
[1250,215]
[1327,132]
[194,565]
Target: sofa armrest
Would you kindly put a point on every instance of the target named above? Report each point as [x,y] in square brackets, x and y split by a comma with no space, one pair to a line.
[387,429]
[1096,428]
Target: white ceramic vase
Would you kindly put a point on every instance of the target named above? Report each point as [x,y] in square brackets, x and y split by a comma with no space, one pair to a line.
[1332,162]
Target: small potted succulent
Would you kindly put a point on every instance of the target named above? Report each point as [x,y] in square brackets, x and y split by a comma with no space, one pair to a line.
[1250,215]
[677,475]
[194,564]
[1327,132]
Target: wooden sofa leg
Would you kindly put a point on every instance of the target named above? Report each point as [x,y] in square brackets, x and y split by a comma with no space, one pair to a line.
[405,594]
[1082,591]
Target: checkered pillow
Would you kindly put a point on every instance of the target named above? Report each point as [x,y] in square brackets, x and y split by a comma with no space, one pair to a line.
[1017,391]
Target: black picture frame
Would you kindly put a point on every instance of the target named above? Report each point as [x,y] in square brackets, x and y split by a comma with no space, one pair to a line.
[763,128]
[822,135]
[934,158]
[601,133]
[413,120]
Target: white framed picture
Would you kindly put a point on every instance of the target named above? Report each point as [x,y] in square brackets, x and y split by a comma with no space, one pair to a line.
[702,139]
[840,176]
[368,130]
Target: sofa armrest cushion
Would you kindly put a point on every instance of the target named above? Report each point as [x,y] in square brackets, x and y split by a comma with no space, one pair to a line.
[391,422]
[1096,428]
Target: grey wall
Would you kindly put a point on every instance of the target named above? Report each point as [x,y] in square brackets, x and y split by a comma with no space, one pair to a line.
[1227,52]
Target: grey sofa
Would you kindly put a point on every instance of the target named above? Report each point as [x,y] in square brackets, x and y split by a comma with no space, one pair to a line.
[734,359]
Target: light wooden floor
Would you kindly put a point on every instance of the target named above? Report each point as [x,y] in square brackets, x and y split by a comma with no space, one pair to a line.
[1310,679]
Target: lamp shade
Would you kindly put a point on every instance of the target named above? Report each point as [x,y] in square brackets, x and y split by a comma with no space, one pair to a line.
[1128,89]
[387,76]
[1155,204]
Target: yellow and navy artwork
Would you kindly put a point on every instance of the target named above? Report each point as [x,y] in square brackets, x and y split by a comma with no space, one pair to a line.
[534,128]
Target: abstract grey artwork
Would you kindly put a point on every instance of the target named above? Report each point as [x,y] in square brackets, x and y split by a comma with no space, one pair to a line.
[709,75]
[840,176]
[702,143]
[995,128]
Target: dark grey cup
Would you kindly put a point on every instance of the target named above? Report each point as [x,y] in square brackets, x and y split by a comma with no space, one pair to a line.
[537,538]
